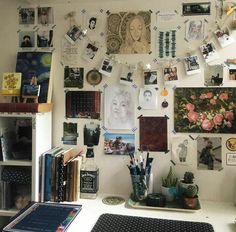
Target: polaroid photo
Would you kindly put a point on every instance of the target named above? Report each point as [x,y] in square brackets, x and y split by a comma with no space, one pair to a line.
[26,16]
[209,153]
[26,39]
[170,74]
[127,75]
[89,52]
[45,15]
[106,66]
[224,38]
[201,8]
[209,52]
[195,30]
[148,98]
[45,38]
[191,64]
[74,33]
[150,78]
[213,75]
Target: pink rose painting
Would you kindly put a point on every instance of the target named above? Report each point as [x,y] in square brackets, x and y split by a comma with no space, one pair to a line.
[205,110]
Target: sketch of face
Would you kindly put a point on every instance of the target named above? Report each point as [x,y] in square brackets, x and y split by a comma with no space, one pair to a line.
[90,53]
[119,107]
[92,24]
[136,29]
[147,96]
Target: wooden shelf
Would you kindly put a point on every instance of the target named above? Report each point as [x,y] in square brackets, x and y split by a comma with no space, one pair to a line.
[8,213]
[16,163]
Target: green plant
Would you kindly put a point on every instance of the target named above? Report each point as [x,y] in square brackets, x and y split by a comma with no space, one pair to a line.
[191,191]
[188,177]
[170,180]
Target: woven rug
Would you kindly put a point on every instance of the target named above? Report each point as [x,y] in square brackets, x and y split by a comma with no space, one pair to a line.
[122,223]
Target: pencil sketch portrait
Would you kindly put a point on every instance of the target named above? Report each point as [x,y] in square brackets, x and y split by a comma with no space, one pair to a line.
[195,30]
[129,33]
[119,107]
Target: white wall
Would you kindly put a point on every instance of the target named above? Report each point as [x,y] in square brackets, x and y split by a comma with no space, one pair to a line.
[114,175]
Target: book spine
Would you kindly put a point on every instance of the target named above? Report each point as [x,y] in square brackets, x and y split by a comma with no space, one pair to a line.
[48,177]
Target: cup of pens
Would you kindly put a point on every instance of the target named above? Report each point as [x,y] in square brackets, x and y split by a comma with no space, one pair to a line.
[140,177]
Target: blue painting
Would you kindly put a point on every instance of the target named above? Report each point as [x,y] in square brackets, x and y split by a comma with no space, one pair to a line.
[36,67]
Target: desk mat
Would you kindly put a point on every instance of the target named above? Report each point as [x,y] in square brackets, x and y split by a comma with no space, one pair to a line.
[122,223]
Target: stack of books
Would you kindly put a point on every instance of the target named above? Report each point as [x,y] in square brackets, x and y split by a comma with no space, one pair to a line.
[60,175]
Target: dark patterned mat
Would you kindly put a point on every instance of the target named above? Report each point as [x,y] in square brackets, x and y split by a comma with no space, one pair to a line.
[122,223]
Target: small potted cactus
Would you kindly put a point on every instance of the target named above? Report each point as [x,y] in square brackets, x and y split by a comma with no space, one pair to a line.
[188,190]
[169,184]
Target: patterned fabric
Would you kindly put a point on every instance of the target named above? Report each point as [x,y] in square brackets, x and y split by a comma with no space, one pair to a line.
[121,223]
[18,175]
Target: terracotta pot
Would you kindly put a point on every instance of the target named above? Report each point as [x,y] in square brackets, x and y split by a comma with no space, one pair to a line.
[190,202]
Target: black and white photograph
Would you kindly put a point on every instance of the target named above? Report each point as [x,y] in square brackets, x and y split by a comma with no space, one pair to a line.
[73,77]
[201,8]
[26,39]
[74,33]
[92,133]
[148,98]
[224,37]
[127,75]
[213,75]
[70,133]
[209,52]
[119,107]
[26,16]
[45,15]
[195,30]
[106,66]
[191,64]
[89,52]
[209,153]
[150,78]
[232,74]
[45,38]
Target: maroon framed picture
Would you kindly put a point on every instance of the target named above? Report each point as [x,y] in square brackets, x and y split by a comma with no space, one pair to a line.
[153,134]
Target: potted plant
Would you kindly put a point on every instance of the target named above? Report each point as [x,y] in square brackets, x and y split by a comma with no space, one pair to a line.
[188,190]
[168,187]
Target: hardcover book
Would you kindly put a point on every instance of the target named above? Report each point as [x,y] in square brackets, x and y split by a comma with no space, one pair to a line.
[36,67]
[11,84]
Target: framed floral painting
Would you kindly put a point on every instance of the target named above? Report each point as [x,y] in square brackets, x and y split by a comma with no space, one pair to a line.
[205,110]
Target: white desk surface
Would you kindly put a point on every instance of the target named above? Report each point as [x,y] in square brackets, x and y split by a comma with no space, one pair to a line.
[220,214]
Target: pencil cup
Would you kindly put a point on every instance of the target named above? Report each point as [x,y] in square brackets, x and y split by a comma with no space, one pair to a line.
[140,190]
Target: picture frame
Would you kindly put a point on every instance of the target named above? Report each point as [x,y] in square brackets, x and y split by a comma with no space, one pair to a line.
[231,159]
[199,110]
[196,8]
[73,77]
[26,16]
